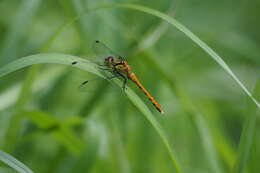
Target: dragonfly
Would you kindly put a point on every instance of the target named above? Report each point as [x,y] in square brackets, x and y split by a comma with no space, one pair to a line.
[118,67]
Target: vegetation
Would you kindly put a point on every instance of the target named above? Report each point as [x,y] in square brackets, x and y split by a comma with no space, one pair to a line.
[199,60]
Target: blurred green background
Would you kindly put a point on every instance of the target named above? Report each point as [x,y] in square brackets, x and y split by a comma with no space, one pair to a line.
[49,125]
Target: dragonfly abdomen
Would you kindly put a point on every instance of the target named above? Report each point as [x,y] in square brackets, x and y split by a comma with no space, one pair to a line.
[134,78]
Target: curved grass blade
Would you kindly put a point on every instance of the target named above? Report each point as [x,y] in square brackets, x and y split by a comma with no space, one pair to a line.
[50,58]
[189,34]
[90,67]
[14,163]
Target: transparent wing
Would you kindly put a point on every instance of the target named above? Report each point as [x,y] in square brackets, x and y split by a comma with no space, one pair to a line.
[103,51]
[97,85]
[91,85]
[99,52]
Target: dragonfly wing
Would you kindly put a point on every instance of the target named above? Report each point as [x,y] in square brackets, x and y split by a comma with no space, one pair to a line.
[97,85]
[103,51]
[90,85]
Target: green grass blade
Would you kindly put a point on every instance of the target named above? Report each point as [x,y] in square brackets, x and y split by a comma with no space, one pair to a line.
[189,34]
[247,136]
[14,163]
[51,58]
[90,67]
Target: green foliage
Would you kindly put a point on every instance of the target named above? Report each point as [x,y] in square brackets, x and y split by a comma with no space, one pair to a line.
[48,124]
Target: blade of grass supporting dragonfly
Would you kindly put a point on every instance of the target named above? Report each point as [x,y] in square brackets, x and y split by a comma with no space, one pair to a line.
[90,67]
[14,163]
[49,58]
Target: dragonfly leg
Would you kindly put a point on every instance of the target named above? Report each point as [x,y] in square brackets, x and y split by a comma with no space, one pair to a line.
[124,80]
[124,84]
[112,77]
[104,68]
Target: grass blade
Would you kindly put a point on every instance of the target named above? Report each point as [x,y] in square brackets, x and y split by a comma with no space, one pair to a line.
[51,58]
[14,163]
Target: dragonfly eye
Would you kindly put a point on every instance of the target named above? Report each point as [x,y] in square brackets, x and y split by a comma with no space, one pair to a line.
[109,59]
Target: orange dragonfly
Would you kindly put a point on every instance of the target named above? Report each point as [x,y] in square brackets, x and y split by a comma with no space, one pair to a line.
[118,67]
